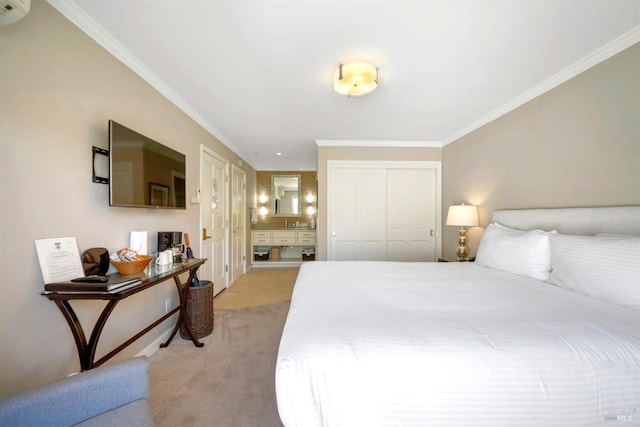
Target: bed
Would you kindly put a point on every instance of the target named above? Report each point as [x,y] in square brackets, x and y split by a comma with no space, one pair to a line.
[543,329]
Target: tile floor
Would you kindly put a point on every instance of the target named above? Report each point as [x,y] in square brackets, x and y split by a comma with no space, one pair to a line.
[260,286]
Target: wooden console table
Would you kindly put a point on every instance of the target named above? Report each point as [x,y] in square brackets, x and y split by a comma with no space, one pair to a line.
[150,278]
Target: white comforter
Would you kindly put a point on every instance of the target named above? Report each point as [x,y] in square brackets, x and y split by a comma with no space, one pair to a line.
[414,344]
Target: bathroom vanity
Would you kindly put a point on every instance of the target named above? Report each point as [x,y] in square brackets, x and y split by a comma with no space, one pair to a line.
[282,247]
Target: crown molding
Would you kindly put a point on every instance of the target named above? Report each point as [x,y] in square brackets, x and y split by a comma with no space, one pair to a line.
[617,45]
[374,143]
[77,16]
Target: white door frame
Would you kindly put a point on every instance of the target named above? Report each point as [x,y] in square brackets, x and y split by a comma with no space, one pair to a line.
[392,164]
[243,218]
[204,149]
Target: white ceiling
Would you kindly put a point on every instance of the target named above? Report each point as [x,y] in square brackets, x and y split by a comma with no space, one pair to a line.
[259,74]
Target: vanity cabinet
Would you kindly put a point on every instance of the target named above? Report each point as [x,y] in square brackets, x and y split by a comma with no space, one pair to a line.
[283,237]
[291,243]
[306,238]
[261,237]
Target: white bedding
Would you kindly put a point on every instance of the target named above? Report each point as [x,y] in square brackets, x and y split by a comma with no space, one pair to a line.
[414,344]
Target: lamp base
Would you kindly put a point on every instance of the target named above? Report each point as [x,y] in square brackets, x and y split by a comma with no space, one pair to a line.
[462,253]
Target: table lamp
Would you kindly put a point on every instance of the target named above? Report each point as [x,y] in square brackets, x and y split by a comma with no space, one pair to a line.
[462,216]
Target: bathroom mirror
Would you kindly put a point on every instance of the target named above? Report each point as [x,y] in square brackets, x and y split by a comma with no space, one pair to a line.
[285,195]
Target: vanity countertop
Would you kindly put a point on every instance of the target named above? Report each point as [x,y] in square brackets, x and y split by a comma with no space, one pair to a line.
[279,226]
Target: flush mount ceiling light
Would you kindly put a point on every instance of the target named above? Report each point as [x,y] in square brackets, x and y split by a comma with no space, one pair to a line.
[355,79]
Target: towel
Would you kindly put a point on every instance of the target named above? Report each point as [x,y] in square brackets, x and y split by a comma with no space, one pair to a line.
[139,242]
[254,215]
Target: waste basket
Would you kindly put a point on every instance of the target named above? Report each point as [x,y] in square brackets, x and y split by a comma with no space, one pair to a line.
[199,310]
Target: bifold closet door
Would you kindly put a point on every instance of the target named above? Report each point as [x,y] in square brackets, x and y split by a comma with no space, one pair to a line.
[358,214]
[411,215]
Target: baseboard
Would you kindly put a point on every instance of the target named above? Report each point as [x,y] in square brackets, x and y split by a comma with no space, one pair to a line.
[155,344]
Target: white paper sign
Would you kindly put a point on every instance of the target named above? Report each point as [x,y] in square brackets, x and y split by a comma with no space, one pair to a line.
[59,259]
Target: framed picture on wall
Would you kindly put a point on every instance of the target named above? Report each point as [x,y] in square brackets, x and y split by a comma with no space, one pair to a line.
[158,194]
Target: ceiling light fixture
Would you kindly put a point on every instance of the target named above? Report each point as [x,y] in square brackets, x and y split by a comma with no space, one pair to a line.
[355,79]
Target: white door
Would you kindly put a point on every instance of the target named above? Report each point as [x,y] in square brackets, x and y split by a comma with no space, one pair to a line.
[213,211]
[384,210]
[238,218]
[411,216]
[357,216]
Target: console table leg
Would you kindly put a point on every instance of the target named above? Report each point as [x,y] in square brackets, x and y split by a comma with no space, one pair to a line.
[173,333]
[76,330]
[97,330]
[86,351]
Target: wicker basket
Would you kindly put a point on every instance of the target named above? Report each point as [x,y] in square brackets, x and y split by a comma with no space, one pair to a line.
[132,267]
[199,311]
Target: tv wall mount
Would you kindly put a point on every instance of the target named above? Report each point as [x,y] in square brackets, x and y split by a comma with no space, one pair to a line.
[100,165]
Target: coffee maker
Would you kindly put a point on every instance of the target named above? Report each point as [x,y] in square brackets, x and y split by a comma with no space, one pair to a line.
[171,240]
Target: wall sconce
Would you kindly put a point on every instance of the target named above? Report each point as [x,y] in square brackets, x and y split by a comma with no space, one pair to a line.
[462,216]
[263,211]
[310,209]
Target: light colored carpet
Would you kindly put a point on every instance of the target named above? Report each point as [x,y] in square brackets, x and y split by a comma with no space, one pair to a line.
[228,382]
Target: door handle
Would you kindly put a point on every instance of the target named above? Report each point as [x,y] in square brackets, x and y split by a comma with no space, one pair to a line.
[431,233]
[204,234]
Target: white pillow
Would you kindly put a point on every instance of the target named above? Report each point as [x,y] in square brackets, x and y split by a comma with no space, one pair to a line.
[520,252]
[606,268]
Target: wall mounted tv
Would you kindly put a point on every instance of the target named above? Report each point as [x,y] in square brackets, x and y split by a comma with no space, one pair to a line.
[143,172]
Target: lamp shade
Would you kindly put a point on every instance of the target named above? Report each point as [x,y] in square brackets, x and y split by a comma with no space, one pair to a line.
[355,79]
[463,215]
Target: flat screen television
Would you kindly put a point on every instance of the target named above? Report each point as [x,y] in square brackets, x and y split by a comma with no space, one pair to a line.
[144,173]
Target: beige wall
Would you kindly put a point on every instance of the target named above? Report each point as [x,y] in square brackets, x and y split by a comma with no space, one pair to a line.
[576,145]
[57,92]
[326,153]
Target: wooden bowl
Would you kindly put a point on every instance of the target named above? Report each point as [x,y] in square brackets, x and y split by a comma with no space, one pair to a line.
[132,267]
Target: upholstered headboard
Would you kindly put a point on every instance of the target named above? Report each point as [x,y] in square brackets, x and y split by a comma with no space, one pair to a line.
[581,221]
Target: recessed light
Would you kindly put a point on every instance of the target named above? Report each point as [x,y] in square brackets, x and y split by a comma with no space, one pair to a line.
[278,154]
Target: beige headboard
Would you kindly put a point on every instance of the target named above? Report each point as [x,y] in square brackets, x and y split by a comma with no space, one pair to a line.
[582,221]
